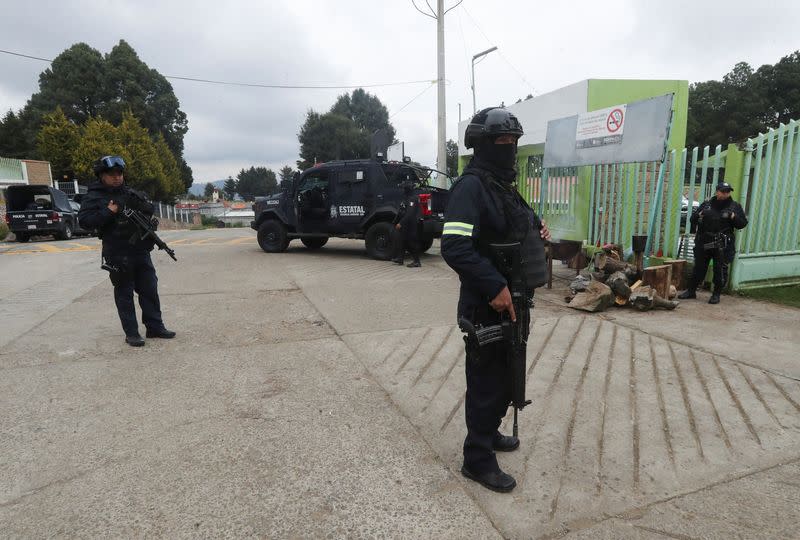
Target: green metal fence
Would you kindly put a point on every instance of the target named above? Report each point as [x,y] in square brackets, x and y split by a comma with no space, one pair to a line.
[769,248]
[602,204]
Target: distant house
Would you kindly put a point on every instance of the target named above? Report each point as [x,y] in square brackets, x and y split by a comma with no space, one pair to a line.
[15,172]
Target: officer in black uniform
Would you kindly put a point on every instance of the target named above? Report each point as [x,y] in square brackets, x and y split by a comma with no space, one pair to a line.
[715,221]
[485,208]
[406,224]
[125,255]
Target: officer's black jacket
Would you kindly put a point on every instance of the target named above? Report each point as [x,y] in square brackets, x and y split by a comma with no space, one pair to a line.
[115,230]
[408,216]
[473,214]
[714,222]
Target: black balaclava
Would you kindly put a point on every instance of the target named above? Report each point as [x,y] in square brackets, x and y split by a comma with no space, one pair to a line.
[501,159]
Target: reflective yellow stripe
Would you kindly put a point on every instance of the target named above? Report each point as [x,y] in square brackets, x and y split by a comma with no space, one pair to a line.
[466,226]
[457,228]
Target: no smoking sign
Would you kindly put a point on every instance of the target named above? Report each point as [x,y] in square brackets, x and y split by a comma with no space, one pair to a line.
[614,120]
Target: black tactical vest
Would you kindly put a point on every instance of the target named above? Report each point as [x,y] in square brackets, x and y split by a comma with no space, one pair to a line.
[520,227]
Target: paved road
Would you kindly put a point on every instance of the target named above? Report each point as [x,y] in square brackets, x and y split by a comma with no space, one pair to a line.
[321,393]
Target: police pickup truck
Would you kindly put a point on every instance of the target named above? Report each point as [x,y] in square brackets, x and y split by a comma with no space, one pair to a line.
[33,210]
[348,199]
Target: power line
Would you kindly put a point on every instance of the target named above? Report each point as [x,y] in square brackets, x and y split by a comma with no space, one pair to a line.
[256,85]
[433,83]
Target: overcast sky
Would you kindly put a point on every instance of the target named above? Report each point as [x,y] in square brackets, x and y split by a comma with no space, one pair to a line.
[542,46]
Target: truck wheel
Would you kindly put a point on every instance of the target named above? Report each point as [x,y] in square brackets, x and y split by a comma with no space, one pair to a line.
[22,237]
[380,241]
[425,244]
[272,236]
[314,243]
[65,234]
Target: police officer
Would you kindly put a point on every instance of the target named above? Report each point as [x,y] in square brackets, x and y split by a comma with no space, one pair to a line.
[485,208]
[715,221]
[406,224]
[126,256]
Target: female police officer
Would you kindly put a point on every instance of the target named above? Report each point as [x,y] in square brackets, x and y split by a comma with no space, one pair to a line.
[126,256]
[485,208]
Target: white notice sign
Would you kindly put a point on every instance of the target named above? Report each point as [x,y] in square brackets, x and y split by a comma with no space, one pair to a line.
[599,128]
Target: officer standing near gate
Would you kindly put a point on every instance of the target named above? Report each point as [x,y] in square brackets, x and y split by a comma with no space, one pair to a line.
[715,241]
[485,208]
[406,224]
[128,262]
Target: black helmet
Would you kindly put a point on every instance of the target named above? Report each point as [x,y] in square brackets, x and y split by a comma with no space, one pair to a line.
[106,163]
[491,122]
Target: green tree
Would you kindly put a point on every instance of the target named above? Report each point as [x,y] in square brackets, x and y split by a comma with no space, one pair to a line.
[229,189]
[344,131]
[99,137]
[57,141]
[255,181]
[744,103]
[13,137]
[76,82]
[330,137]
[87,85]
[135,87]
[452,158]
[144,171]
[286,174]
[366,110]
[209,190]
[173,184]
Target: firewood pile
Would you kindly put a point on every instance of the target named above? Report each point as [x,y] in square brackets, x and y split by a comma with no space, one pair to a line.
[610,281]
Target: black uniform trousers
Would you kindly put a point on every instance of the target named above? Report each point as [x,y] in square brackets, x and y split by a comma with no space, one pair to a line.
[406,240]
[138,274]
[486,403]
[721,259]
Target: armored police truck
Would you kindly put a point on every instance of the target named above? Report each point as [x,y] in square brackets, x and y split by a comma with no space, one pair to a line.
[348,199]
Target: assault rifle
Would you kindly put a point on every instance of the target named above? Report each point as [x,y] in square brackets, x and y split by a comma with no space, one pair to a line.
[507,257]
[144,224]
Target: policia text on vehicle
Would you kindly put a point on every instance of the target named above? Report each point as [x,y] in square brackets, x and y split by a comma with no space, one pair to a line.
[485,212]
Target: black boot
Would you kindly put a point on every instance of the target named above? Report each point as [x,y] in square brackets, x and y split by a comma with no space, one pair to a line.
[505,443]
[714,298]
[496,481]
[415,264]
[134,340]
[687,294]
[160,333]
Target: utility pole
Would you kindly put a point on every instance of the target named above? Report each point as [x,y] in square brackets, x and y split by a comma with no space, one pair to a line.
[441,124]
[441,135]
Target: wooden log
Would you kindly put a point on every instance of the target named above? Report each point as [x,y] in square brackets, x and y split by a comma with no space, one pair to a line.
[659,278]
[618,282]
[597,297]
[679,276]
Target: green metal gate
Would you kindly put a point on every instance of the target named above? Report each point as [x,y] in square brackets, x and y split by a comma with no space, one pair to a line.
[769,248]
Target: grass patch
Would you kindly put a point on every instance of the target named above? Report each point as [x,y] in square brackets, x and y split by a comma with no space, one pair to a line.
[788,295]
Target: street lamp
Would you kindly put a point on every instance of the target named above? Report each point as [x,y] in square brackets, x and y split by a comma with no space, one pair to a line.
[484,53]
